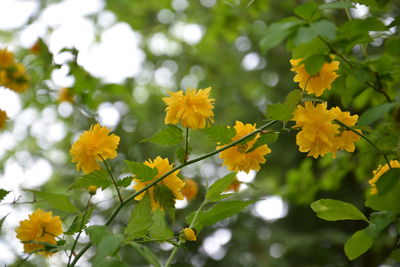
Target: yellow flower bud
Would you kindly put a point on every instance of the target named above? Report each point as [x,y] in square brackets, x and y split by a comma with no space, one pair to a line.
[92,189]
[189,234]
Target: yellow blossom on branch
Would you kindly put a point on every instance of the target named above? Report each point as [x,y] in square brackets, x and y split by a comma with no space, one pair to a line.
[3,118]
[172,181]
[241,157]
[379,172]
[92,146]
[315,84]
[189,234]
[40,227]
[190,189]
[192,109]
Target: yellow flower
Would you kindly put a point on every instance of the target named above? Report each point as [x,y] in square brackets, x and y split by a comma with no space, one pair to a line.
[3,118]
[192,110]
[92,189]
[93,145]
[40,227]
[190,189]
[6,58]
[189,234]
[317,83]
[18,79]
[66,95]
[172,181]
[379,172]
[239,157]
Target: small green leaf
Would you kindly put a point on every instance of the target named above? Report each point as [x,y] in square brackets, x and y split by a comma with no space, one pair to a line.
[164,197]
[180,154]
[96,233]
[160,229]
[277,32]
[75,227]
[219,186]
[308,11]
[141,171]
[147,254]
[3,193]
[379,221]
[387,181]
[56,201]
[335,210]
[322,28]
[358,244]
[375,113]
[97,178]
[125,182]
[169,136]
[314,63]
[220,134]
[284,111]
[265,138]
[108,246]
[141,219]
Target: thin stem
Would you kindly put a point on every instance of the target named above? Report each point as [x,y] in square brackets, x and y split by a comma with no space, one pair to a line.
[112,178]
[335,52]
[80,230]
[185,157]
[366,139]
[122,204]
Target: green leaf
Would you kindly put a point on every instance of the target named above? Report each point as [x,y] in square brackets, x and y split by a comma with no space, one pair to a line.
[387,181]
[389,201]
[180,154]
[141,171]
[263,139]
[395,255]
[169,136]
[220,134]
[160,229]
[358,244]
[147,254]
[322,28]
[220,211]
[56,201]
[357,26]
[111,262]
[3,193]
[335,210]
[97,178]
[108,246]
[277,32]
[125,182]
[315,46]
[284,111]
[141,219]
[75,227]
[375,113]
[336,5]
[96,233]
[164,197]
[219,186]
[314,63]
[379,221]
[308,11]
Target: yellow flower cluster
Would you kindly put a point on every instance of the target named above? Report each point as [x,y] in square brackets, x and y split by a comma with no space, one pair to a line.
[315,84]
[192,109]
[172,181]
[379,172]
[40,228]
[319,134]
[242,157]
[12,74]
[92,146]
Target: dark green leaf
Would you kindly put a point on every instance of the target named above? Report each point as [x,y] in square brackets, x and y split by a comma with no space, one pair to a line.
[164,197]
[379,221]
[358,244]
[180,154]
[390,201]
[322,28]
[314,63]
[96,233]
[308,11]
[108,246]
[77,224]
[395,255]
[315,46]
[169,136]
[141,171]
[141,219]
[147,254]
[219,186]
[3,193]
[220,134]
[375,113]
[56,201]
[335,210]
[387,181]
[125,182]
[284,111]
[98,178]
[160,229]
[265,138]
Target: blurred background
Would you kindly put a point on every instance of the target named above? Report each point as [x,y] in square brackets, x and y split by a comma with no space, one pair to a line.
[119,58]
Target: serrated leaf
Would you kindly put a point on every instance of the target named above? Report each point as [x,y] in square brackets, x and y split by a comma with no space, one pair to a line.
[220,134]
[159,228]
[3,193]
[98,178]
[141,171]
[358,244]
[108,246]
[277,32]
[125,182]
[169,136]
[375,113]
[335,210]
[308,11]
[147,254]
[56,201]
[314,63]
[96,233]
[284,111]
[164,197]
[141,219]
[219,186]
[75,226]
[387,181]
